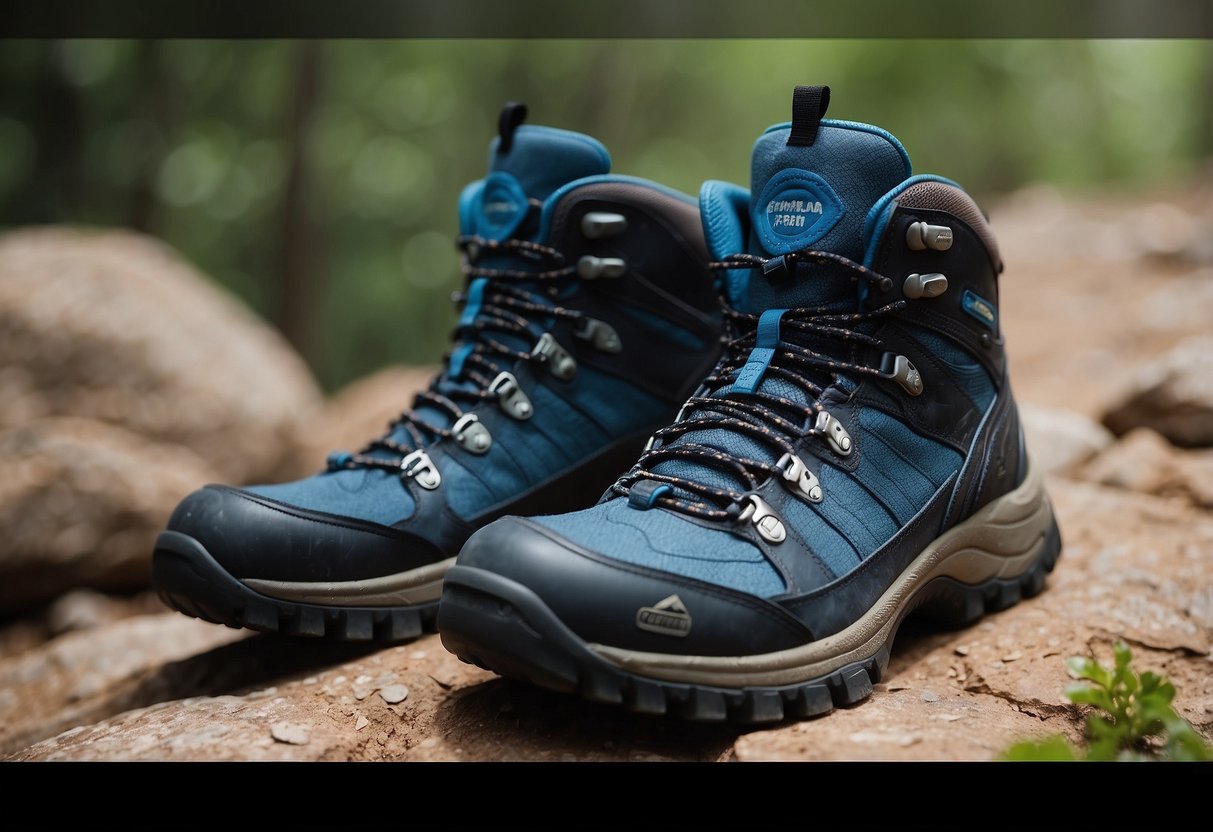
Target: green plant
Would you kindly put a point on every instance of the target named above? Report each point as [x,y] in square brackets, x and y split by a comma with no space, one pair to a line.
[1131,717]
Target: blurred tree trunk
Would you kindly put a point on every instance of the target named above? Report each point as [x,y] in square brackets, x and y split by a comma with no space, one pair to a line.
[295,290]
[1205,96]
[54,189]
[154,101]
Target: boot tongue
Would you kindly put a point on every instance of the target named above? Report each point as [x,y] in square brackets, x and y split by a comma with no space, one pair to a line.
[817,196]
[539,160]
[814,196]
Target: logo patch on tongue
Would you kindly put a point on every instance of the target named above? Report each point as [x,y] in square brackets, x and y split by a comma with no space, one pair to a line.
[503,205]
[796,209]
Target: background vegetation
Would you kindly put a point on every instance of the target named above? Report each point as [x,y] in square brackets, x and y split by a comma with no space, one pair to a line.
[318,180]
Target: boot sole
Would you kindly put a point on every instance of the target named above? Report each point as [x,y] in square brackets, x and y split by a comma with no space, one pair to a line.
[191,581]
[991,561]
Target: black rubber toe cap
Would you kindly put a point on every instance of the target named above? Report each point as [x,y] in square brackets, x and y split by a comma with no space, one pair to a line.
[255,537]
[607,601]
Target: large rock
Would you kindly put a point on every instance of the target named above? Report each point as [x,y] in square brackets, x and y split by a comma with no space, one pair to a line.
[85,676]
[1172,394]
[115,326]
[81,504]
[1144,461]
[1059,440]
[412,702]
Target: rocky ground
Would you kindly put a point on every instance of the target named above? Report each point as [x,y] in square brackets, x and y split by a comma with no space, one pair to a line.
[1108,316]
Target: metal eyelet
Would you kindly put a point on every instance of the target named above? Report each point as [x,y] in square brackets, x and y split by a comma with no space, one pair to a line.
[421,469]
[471,433]
[834,433]
[901,370]
[513,402]
[600,334]
[558,360]
[598,224]
[770,527]
[803,481]
[590,267]
[930,285]
[921,236]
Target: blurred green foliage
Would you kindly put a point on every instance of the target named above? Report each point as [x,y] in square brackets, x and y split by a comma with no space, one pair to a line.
[318,180]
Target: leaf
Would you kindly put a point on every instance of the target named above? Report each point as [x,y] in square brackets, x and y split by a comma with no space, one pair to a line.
[1088,695]
[1122,655]
[1083,668]
[1050,749]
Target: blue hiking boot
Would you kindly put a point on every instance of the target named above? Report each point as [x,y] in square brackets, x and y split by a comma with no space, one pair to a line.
[856,455]
[590,314]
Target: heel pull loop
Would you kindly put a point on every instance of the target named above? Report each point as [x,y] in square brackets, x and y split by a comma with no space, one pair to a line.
[513,113]
[809,105]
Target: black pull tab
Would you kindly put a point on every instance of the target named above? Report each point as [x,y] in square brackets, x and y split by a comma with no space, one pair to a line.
[513,113]
[809,105]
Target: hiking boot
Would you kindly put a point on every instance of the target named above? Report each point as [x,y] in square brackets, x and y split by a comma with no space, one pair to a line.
[856,455]
[589,315]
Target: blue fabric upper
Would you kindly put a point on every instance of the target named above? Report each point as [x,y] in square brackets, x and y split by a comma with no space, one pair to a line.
[593,408]
[818,196]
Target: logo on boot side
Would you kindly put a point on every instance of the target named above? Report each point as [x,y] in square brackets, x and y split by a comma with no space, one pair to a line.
[796,209]
[668,617]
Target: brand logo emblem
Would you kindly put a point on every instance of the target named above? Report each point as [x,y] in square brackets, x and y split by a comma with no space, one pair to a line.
[668,617]
[791,213]
[795,209]
[503,205]
[979,308]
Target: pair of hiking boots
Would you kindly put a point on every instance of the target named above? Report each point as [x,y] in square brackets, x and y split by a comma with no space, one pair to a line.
[699,457]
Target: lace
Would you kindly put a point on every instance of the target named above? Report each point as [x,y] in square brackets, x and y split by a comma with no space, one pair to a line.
[772,420]
[504,309]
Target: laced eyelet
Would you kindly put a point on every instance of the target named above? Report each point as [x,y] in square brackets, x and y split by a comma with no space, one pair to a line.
[757,511]
[560,363]
[901,370]
[471,433]
[510,397]
[834,433]
[421,469]
[804,483]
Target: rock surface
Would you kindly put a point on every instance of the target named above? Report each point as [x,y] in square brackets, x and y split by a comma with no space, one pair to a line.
[1145,461]
[85,676]
[114,326]
[1134,566]
[81,504]
[1058,440]
[1173,395]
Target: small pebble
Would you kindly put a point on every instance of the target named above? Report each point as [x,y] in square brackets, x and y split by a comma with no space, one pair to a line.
[961,650]
[394,693]
[290,733]
[930,696]
[361,722]
[1010,657]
